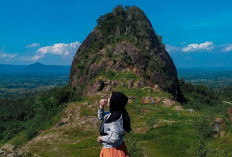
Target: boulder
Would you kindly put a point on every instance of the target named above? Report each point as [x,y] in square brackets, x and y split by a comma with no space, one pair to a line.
[8,147]
[10,150]
[108,82]
[130,83]
[178,108]
[222,134]
[120,65]
[94,88]
[168,102]
[189,110]
[141,83]
[108,88]
[86,103]
[218,126]
[11,155]
[114,83]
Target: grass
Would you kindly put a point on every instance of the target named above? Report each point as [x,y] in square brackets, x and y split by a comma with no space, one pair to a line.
[52,121]
[166,139]
[1,144]
[86,111]
[223,144]
[19,140]
[121,77]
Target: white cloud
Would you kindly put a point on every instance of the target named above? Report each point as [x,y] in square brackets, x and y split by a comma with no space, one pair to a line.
[32,45]
[182,43]
[208,45]
[227,48]
[171,48]
[56,49]
[6,55]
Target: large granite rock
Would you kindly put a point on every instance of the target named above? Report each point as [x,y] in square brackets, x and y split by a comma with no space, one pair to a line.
[132,45]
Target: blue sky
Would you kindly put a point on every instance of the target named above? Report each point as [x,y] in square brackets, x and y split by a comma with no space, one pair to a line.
[196,32]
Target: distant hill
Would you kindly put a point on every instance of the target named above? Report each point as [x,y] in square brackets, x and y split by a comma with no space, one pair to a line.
[34,69]
[212,77]
[198,70]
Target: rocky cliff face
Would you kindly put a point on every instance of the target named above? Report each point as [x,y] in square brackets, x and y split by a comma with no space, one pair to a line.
[123,40]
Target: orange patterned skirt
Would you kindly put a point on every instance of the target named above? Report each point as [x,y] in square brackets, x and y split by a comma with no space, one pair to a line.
[120,151]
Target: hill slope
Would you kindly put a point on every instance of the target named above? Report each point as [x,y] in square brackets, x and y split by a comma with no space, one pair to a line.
[162,129]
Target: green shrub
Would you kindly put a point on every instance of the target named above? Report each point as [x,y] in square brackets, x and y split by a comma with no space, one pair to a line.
[131,76]
[199,149]
[151,121]
[108,53]
[203,126]
[110,73]
[31,132]
[33,113]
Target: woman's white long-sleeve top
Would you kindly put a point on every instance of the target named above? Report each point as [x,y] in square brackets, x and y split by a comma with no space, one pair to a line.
[114,130]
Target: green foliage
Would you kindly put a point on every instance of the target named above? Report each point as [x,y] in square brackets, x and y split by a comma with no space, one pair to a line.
[227,91]
[109,52]
[152,65]
[94,47]
[198,96]
[131,76]
[33,113]
[80,65]
[151,121]
[31,131]
[126,21]
[199,148]
[203,126]
[134,149]
[146,76]
[86,111]
[110,73]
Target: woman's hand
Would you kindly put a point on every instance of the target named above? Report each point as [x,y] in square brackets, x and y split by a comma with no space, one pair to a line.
[99,139]
[103,102]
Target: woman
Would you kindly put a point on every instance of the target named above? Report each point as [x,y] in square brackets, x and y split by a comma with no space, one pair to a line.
[115,124]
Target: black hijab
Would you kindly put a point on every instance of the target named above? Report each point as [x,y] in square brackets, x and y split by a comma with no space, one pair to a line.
[118,102]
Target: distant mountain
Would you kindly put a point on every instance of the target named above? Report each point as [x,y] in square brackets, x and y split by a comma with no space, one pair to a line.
[34,69]
[37,64]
